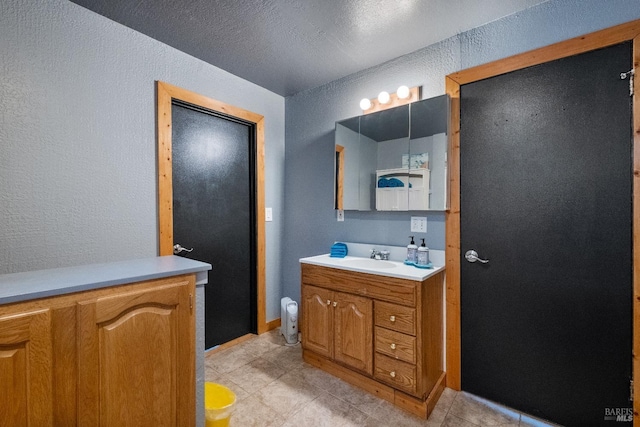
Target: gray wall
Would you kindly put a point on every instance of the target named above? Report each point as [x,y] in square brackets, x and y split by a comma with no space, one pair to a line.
[78,142]
[78,139]
[390,153]
[310,116]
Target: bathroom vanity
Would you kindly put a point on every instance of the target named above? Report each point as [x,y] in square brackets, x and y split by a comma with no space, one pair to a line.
[104,344]
[377,325]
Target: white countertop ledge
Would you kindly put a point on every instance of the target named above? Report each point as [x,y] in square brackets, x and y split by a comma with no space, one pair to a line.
[16,287]
[400,271]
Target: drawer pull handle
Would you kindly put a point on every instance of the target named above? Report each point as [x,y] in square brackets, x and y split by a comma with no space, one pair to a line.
[328,302]
[393,346]
[392,374]
[392,318]
[335,303]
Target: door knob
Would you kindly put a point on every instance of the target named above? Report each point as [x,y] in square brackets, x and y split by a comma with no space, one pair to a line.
[177,249]
[472,256]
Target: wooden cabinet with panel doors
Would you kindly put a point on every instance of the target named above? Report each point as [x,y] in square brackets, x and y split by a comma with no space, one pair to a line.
[122,355]
[342,327]
[380,333]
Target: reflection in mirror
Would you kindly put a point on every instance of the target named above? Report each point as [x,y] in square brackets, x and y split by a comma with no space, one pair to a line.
[428,154]
[388,132]
[339,190]
[383,163]
[348,165]
[364,145]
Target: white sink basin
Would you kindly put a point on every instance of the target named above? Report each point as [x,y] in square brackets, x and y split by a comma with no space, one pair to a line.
[367,263]
[360,262]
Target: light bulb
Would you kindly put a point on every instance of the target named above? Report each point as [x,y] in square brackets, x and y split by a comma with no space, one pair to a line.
[365,104]
[383,97]
[403,92]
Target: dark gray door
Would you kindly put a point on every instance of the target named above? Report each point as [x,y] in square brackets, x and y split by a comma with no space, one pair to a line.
[213,212]
[546,197]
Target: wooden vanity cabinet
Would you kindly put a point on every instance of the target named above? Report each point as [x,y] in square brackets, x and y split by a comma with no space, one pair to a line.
[342,329]
[380,333]
[123,355]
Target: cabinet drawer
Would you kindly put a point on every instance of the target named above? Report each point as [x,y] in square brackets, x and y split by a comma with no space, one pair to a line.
[383,288]
[398,374]
[396,345]
[395,317]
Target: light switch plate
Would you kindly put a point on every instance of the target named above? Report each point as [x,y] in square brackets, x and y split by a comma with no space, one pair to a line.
[268,214]
[418,224]
[340,215]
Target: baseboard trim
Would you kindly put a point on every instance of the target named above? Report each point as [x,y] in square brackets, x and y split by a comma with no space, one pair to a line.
[422,408]
[230,344]
[270,326]
[275,323]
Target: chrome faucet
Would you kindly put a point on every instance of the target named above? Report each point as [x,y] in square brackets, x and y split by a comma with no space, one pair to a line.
[384,255]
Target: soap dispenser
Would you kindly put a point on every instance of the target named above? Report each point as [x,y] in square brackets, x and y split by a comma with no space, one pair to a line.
[412,251]
[423,254]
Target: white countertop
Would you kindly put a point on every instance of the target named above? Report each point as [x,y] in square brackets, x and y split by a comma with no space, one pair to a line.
[30,285]
[399,270]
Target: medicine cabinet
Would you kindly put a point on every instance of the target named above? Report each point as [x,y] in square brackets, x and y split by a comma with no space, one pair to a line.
[394,160]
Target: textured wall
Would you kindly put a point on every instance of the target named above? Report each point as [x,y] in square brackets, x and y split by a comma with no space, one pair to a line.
[77,133]
[78,140]
[310,117]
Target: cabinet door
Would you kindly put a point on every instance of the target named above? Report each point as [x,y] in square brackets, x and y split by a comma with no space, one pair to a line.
[354,331]
[26,396]
[392,199]
[136,357]
[317,320]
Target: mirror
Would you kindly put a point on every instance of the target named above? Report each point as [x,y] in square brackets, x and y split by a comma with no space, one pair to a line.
[393,160]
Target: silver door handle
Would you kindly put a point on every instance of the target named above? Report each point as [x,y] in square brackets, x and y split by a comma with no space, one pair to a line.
[472,256]
[177,249]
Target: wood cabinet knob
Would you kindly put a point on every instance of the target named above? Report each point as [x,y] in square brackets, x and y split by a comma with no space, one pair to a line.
[393,346]
[335,303]
[392,318]
[328,302]
[392,374]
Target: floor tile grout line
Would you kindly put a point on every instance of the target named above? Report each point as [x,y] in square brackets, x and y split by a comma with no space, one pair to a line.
[450,405]
[254,351]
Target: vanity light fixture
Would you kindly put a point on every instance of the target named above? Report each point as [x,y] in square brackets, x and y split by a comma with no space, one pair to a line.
[403,92]
[365,104]
[383,97]
[403,96]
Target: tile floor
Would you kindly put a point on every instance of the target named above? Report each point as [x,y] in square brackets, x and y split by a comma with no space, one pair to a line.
[275,387]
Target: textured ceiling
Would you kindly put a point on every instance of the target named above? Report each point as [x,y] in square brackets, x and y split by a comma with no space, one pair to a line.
[288,46]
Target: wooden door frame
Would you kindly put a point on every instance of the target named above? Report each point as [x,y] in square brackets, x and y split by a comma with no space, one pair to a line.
[165,93]
[340,177]
[600,39]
